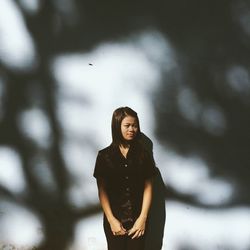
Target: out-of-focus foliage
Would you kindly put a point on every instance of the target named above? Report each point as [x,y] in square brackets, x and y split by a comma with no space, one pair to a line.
[202,106]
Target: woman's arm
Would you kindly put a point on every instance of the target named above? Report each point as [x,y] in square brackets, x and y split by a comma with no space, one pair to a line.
[115,224]
[138,228]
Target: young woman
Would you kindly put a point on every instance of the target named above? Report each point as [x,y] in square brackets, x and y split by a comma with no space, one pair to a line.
[124,171]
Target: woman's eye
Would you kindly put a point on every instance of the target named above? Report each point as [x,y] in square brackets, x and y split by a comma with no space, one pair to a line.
[133,126]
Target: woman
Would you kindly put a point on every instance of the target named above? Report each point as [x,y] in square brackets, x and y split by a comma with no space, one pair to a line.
[124,171]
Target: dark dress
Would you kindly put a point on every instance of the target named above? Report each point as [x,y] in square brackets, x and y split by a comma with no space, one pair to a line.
[124,179]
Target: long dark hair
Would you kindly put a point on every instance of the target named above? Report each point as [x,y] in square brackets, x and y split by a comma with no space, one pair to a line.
[118,115]
[142,145]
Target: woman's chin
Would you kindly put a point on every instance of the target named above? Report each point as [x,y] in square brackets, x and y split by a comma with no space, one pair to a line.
[131,138]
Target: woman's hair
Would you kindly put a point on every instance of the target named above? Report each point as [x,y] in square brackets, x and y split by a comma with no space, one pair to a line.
[118,115]
[143,145]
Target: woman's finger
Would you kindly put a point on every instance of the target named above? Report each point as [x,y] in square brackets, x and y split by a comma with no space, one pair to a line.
[122,232]
[132,231]
[139,234]
[123,229]
[136,235]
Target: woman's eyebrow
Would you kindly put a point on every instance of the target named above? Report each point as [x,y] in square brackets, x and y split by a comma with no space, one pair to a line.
[133,123]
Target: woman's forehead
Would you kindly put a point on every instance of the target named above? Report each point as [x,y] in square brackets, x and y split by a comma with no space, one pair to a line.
[129,119]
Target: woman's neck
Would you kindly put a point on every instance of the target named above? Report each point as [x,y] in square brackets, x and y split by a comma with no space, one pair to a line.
[124,145]
[124,148]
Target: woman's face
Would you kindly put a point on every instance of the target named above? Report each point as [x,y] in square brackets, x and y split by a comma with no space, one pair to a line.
[129,128]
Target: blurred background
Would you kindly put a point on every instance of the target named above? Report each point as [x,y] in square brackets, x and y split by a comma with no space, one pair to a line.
[65,65]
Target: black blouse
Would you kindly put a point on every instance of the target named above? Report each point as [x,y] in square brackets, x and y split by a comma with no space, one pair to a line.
[124,179]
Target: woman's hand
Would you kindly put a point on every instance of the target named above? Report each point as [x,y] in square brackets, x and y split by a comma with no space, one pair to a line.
[138,228]
[116,227]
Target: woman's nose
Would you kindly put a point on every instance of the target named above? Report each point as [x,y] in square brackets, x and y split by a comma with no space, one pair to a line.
[130,128]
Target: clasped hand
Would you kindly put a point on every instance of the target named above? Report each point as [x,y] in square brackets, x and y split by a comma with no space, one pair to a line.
[138,228]
[117,228]
[136,231]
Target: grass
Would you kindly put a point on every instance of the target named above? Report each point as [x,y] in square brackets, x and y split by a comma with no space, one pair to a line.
[4,246]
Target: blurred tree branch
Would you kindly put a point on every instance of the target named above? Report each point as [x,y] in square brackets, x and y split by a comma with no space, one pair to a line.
[207,42]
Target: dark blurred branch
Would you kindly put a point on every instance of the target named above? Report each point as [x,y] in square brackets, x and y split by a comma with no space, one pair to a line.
[206,41]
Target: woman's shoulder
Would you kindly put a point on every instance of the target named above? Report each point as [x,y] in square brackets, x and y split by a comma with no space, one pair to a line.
[107,154]
[106,150]
[145,142]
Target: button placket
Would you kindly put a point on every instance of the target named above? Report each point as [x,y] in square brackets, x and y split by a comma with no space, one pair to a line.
[126,177]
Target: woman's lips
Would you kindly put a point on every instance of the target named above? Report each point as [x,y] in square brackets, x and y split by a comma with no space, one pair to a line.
[131,135]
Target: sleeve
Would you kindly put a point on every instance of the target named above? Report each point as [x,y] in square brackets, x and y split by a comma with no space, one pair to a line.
[150,169]
[100,170]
